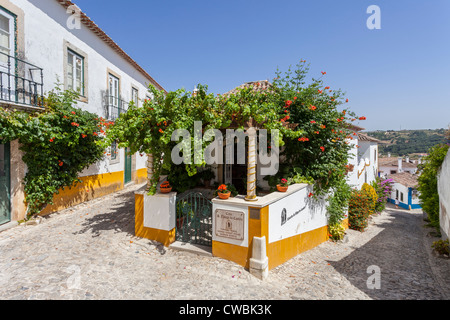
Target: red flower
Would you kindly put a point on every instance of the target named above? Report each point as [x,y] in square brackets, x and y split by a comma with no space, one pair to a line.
[323,126]
[295,98]
[73,112]
[322,148]
[324,73]
[288,103]
[51,140]
[317,132]
[83,136]
[362,118]
[304,139]
[313,107]
[160,130]
[60,163]
[310,195]
[320,91]
[95,134]
[346,100]
[312,121]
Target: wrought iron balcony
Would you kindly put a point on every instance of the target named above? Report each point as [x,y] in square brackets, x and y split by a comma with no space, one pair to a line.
[114,107]
[21,82]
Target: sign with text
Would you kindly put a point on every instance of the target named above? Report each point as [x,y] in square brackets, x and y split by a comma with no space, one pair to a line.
[229,224]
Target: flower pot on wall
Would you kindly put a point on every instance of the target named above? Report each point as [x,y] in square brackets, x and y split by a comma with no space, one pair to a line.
[280,188]
[224,196]
[166,190]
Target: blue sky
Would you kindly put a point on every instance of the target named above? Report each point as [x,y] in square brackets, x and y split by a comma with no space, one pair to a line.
[398,77]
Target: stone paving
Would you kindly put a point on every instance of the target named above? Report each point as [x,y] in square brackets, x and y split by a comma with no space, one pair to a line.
[90,252]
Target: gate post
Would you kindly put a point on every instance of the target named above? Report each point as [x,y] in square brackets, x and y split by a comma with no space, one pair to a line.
[155,217]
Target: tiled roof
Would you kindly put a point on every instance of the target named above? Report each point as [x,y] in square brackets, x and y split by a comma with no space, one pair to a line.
[364,137]
[393,162]
[262,85]
[405,178]
[104,37]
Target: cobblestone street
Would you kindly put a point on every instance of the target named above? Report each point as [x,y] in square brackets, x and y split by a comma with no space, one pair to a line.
[90,252]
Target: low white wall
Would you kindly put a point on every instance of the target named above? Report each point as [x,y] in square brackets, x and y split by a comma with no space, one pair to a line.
[444,197]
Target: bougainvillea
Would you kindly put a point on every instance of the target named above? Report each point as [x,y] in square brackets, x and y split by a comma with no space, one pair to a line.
[58,144]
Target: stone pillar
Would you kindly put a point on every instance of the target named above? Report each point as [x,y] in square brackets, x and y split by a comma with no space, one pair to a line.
[251,165]
[259,263]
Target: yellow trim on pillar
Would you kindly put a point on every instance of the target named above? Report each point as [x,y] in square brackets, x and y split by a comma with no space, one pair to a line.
[161,236]
[141,176]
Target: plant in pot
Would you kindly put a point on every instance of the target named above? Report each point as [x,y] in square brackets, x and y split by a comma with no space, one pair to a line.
[283,186]
[165,187]
[223,192]
[207,176]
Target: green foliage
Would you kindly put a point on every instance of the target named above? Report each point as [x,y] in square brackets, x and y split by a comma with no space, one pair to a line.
[58,144]
[338,203]
[429,196]
[336,231]
[359,207]
[441,246]
[370,191]
[408,142]
[383,188]
[180,179]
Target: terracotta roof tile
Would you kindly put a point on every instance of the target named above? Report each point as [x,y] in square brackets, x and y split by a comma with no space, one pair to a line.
[405,178]
[104,37]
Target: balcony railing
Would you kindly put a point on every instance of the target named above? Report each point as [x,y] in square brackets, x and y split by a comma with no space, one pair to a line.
[115,107]
[21,82]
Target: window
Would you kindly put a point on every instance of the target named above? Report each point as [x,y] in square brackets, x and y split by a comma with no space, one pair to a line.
[75,72]
[135,96]
[114,151]
[6,36]
[396,194]
[401,196]
[393,172]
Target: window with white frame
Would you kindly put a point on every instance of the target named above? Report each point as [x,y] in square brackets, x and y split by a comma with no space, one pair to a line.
[7,32]
[75,72]
[135,96]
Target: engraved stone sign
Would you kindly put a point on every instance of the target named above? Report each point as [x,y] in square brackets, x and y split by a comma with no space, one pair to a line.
[229,224]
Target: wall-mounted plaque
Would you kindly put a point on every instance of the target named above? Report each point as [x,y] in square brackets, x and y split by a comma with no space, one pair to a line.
[229,224]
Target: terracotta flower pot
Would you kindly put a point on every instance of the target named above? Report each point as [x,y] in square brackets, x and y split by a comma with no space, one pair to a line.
[224,196]
[166,190]
[281,188]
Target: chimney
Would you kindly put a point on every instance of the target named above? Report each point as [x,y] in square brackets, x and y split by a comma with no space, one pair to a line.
[407,159]
[400,160]
[389,155]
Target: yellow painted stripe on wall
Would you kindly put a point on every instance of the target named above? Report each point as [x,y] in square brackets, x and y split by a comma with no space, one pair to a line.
[91,187]
[162,236]
[141,176]
[231,252]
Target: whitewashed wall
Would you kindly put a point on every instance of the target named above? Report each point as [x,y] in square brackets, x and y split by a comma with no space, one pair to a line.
[444,196]
[45,28]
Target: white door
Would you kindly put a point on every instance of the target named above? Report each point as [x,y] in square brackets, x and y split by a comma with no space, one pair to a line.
[7,63]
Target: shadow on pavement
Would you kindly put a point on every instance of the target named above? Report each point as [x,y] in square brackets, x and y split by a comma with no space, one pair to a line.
[398,253]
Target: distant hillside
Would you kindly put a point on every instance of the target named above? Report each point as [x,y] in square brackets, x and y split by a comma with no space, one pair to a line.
[408,142]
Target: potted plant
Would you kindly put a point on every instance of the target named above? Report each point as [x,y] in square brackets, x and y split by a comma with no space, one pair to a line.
[165,187]
[223,192]
[283,186]
[207,176]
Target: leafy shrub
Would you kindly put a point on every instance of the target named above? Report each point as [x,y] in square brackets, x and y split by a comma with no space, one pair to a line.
[58,144]
[441,246]
[429,196]
[370,191]
[359,208]
[383,189]
[336,231]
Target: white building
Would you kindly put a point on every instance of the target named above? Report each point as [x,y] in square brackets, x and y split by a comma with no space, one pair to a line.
[43,42]
[364,159]
[393,165]
[444,197]
[405,190]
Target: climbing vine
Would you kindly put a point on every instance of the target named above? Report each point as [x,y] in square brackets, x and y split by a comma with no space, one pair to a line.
[58,144]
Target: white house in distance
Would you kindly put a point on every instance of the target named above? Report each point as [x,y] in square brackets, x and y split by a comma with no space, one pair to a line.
[43,42]
[364,159]
[405,190]
[392,165]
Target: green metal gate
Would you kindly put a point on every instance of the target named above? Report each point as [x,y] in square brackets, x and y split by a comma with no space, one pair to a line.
[194,219]
[5,195]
